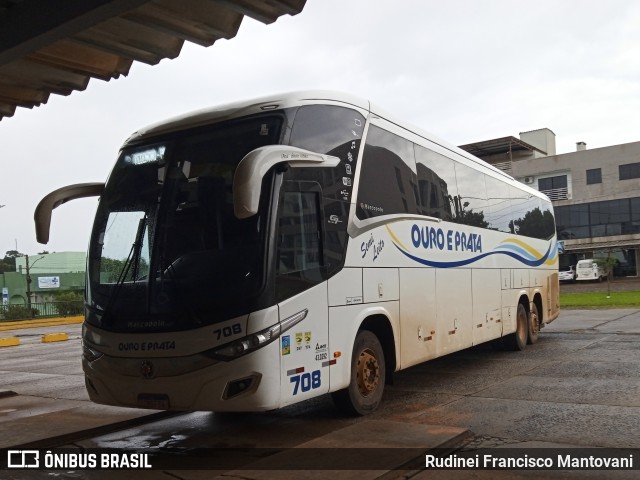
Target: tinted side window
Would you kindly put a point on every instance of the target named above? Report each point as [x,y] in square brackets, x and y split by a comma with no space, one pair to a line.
[334,131]
[548,223]
[471,203]
[634,226]
[635,210]
[572,221]
[629,171]
[527,216]
[551,183]
[497,212]
[611,217]
[594,175]
[387,182]
[436,184]
[299,243]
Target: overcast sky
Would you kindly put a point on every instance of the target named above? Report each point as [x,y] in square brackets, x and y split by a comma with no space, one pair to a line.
[465,70]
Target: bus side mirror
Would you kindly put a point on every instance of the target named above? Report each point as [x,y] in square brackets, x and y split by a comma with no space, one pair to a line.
[56,198]
[247,180]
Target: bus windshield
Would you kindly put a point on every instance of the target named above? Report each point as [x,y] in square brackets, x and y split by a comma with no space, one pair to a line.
[167,252]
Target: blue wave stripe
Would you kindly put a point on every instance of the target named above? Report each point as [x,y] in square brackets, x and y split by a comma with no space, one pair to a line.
[519,250]
[461,263]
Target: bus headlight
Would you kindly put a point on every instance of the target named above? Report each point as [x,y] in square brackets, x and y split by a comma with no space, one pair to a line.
[257,340]
[90,355]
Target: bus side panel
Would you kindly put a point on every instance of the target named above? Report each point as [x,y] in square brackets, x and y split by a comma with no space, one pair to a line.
[549,292]
[304,349]
[520,278]
[553,298]
[505,278]
[418,315]
[487,305]
[510,300]
[538,277]
[345,287]
[380,285]
[454,312]
[344,323]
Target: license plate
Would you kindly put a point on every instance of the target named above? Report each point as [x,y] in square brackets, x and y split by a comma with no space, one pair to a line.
[153,401]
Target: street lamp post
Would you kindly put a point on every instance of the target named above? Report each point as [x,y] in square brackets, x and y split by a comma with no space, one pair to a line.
[26,257]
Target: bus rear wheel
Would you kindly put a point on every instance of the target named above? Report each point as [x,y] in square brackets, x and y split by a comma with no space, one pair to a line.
[534,325]
[364,393]
[518,339]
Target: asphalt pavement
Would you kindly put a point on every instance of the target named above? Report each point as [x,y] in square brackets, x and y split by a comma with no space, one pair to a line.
[577,387]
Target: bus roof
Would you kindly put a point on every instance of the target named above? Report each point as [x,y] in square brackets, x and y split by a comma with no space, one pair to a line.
[292,99]
[239,109]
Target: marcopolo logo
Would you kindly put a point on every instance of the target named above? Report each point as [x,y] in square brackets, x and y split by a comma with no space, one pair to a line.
[23,459]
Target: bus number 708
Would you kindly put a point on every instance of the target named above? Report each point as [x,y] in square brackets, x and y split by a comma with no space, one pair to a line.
[306,381]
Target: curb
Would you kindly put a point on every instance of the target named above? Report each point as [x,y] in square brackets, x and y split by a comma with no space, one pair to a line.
[46,338]
[9,342]
[81,434]
[55,337]
[46,322]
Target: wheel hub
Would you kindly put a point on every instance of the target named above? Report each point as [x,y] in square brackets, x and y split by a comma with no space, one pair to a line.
[368,372]
[534,323]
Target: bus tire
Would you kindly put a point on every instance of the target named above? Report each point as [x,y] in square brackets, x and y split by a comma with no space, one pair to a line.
[534,325]
[518,340]
[364,393]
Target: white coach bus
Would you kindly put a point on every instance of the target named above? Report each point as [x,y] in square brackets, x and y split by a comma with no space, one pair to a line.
[253,256]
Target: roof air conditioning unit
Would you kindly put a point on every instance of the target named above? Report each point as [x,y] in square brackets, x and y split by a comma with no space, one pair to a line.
[528,180]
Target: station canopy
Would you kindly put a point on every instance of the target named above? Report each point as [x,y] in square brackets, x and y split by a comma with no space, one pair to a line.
[57,46]
[499,145]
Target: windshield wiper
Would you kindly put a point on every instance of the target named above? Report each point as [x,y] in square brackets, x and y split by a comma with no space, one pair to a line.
[132,259]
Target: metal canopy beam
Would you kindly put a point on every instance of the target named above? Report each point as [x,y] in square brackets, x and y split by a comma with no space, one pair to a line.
[57,46]
[499,145]
[33,24]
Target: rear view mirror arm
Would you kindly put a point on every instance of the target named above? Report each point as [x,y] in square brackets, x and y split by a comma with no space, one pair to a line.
[42,215]
[247,180]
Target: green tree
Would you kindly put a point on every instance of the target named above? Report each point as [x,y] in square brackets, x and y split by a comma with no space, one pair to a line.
[608,264]
[111,269]
[19,312]
[534,224]
[68,303]
[474,219]
[8,263]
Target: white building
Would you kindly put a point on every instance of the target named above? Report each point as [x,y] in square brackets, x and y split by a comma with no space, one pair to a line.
[60,262]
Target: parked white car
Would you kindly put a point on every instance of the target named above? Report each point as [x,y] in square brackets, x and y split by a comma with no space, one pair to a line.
[590,270]
[567,274]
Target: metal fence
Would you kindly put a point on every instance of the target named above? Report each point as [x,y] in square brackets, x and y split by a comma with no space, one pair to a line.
[41,310]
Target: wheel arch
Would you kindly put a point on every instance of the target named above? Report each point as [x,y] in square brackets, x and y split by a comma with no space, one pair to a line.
[524,300]
[380,326]
[537,299]
[517,340]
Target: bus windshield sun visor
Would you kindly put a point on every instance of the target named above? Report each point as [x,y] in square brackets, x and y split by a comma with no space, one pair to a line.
[247,179]
[42,215]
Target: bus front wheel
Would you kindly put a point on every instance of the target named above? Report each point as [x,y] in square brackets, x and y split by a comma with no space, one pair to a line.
[364,393]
